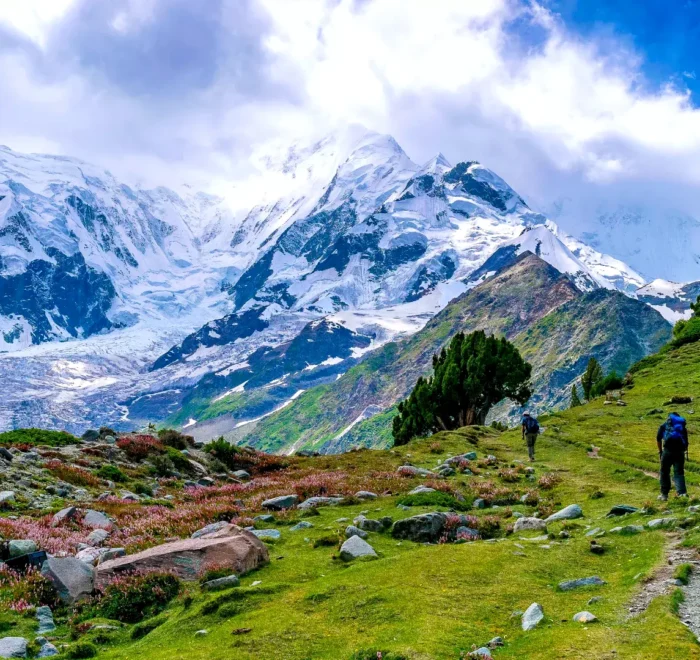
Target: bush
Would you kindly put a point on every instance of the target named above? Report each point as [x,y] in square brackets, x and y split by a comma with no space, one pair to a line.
[90,435]
[30,588]
[138,447]
[548,481]
[111,473]
[237,458]
[436,448]
[686,332]
[499,426]
[37,437]
[72,475]
[162,466]
[225,451]
[373,655]
[436,498]
[175,439]
[141,488]
[130,598]
[179,461]
[611,382]
[82,650]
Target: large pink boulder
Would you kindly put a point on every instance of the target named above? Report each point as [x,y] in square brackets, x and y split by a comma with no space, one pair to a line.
[234,547]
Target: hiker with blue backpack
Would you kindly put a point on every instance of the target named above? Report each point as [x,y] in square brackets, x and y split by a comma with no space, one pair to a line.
[531,429]
[672,441]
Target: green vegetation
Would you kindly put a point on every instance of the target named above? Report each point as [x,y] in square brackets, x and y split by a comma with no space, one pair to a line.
[37,437]
[112,473]
[132,598]
[436,499]
[575,400]
[470,376]
[591,377]
[682,573]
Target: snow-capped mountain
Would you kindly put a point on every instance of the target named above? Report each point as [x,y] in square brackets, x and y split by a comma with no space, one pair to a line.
[187,285]
[671,299]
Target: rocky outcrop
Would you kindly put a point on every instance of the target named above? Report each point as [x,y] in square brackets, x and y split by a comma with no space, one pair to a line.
[73,579]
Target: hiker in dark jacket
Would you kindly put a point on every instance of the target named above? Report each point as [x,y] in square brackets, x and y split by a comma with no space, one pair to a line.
[531,429]
[672,442]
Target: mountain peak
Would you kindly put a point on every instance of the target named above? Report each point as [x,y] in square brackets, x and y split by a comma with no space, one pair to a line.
[438,164]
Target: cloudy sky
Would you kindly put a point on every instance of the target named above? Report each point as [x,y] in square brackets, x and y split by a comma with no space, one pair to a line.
[580,98]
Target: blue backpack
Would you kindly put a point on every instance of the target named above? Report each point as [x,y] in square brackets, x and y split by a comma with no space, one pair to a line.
[675,434]
[531,424]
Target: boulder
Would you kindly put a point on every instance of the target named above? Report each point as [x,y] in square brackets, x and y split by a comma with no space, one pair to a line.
[19,547]
[479,503]
[44,616]
[46,648]
[530,525]
[265,518]
[128,496]
[89,555]
[482,652]
[4,453]
[532,616]
[240,549]
[567,513]
[351,530]
[593,581]
[7,496]
[585,617]
[207,482]
[421,489]
[280,503]
[302,524]
[221,583]
[622,510]
[97,520]
[424,528]
[272,534]
[13,647]
[355,548]
[627,530]
[111,553]
[97,537]
[241,474]
[365,495]
[410,470]
[661,522]
[319,501]
[369,525]
[73,579]
[210,529]
[69,513]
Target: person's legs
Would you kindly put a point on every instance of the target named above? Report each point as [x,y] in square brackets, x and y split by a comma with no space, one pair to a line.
[665,473]
[531,438]
[679,474]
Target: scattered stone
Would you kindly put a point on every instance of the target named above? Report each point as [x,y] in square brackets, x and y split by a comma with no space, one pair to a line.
[98,537]
[465,533]
[234,547]
[426,527]
[221,583]
[46,648]
[280,503]
[593,581]
[567,513]
[128,496]
[89,555]
[69,513]
[7,496]
[264,518]
[622,510]
[517,514]
[627,530]
[319,501]
[355,548]
[207,482]
[13,647]
[272,534]
[370,525]
[302,524]
[594,531]
[44,616]
[694,509]
[365,495]
[594,600]
[660,522]
[4,453]
[73,579]
[97,520]
[564,534]
[483,652]
[201,633]
[530,525]
[479,503]
[210,529]
[19,547]
[111,553]
[532,616]
[351,530]
[421,489]
[597,549]
[414,471]
[241,474]
[585,617]
[496,642]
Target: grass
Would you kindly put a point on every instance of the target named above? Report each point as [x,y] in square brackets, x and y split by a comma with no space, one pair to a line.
[37,437]
[682,573]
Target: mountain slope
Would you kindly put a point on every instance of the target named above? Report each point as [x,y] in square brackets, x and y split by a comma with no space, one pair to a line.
[530,302]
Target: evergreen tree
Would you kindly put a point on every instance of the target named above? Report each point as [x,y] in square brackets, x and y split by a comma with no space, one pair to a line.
[575,401]
[592,376]
[695,307]
[474,373]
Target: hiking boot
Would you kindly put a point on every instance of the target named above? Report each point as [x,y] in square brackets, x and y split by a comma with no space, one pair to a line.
[682,496]
[662,498]
[532,459]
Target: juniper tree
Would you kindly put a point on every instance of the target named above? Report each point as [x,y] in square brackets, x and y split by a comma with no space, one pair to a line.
[575,401]
[470,376]
[592,376]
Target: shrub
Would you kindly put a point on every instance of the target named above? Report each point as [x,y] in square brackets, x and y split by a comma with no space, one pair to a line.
[138,447]
[509,475]
[611,382]
[677,599]
[436,448]
[72,475]
[178,460]
[682,573]
[172,438]
[141,488]
[34,436]
[548,481]
[111,473]
[327,541]
[28,589]
[376,655]
[162,465]
[225,451]
[82,650]
[142,629]
[499,426]
[436,498]
[686,332]
[132,597]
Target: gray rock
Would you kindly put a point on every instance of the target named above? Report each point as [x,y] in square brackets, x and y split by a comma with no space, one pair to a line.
[69,513]
[627,530]
[4,453]
[7,496]
[661,522]
[265,518]
[45,618]
[365,495]
[496,642]
[479,503]
[694,509]
[97,520]
[111,553]
[355,548]
[89,555]
[97,537]
[110,439]
[206,482]
[482,652]
[19,547]
[593,581]
[351,530]
[466,533]
[567,513]
[221,583]
[421,489]
[532,616]
[46,648]
[13,647]
[302,524]
[369,525]
[585,617]
[594,531]
[128,496]
[622,510]
[319,501]
[241,474]
[280,503]
[210,529]
[530,525]
[594,600]
[424,528]
[414,471]
[517,514]
[267,533]
[72,578]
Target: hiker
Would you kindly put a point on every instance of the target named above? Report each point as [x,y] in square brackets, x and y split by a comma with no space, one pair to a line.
[531,428]
[672,441]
